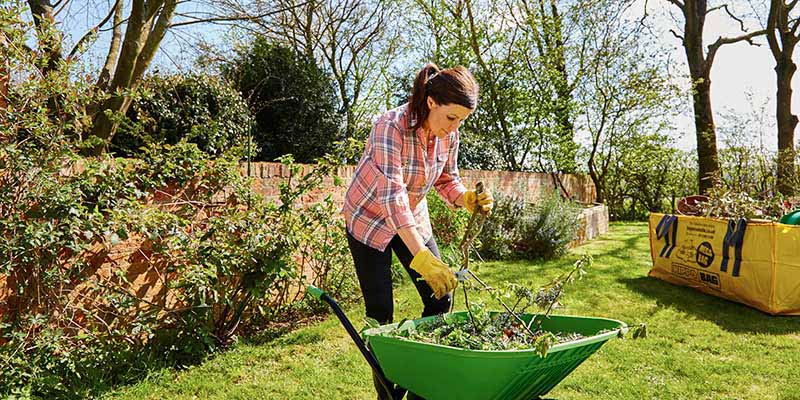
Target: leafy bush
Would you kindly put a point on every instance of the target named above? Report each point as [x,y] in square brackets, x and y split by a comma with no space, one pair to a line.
[292,99]
[217,253]
[448,224]
[547,231]
[543,230]
[500,234]
[201,109]
[322,249]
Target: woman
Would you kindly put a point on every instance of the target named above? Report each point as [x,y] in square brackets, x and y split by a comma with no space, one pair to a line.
[411,148]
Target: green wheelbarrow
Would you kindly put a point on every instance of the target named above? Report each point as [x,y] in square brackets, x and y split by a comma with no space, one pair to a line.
[443,372]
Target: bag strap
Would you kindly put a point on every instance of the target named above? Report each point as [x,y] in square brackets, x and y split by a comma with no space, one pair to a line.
[662,231]
[738,242]
[733,237]
[726,243]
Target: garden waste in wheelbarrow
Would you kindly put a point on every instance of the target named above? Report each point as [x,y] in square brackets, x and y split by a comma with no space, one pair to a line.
[438,372]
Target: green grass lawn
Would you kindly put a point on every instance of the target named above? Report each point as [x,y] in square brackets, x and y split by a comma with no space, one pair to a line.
[699,347]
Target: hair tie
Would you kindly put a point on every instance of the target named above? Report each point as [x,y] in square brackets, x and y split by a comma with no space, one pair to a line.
[430,78]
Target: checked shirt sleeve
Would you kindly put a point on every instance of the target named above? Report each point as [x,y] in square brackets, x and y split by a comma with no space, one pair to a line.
[449,185]
[386,152]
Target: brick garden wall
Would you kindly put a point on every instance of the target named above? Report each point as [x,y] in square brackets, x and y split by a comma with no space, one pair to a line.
[529,185]
[147,276]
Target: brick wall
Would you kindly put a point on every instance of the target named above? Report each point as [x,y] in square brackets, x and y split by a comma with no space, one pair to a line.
[528,184]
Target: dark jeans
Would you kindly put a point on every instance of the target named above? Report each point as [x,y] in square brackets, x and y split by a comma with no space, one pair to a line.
[373,268]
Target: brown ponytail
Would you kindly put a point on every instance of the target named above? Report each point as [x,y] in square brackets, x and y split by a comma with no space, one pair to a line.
[449,86]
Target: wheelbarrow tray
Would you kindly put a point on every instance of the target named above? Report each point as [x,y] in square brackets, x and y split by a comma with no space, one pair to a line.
[442,372]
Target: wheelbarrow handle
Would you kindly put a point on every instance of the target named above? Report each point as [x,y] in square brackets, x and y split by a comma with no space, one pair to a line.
[394,391]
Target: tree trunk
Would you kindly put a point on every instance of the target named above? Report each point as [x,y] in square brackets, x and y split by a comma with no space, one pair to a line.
[708,163]
[566,129]
[598,184]
[700,71]
[141,41]
[49,37]
[787,122]
[782,40]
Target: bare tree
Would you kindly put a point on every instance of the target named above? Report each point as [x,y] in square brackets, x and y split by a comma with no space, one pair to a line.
[700,62]
[782,37]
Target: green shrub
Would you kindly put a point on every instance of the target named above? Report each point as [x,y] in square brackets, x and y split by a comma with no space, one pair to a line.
[72,322]
[448,224]
[542,230]
[500,231]
[222,259]
[201,109]
[547,230]
[292,98]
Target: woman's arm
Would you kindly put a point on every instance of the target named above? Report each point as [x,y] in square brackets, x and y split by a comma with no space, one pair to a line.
[448,184]
[412,239]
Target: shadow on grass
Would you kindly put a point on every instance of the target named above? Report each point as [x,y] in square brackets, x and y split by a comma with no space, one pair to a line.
[728,315]
[629,245]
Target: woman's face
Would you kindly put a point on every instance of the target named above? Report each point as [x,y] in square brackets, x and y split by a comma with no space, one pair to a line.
[445,119]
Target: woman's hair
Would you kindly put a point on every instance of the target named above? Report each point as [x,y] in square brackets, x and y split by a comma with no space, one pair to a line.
[449,86]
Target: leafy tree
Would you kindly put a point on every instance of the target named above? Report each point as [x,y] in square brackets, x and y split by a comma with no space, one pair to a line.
[292,99]
[627,97]
[503,132]
[529,57]
[138,28]
[199,108]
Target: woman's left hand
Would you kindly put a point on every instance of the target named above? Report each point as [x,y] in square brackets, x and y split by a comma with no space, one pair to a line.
[484,200]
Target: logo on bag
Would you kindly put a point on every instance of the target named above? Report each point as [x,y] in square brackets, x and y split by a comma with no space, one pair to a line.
[705,255]
[710,279]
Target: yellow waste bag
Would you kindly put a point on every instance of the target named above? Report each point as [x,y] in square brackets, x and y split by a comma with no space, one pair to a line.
[754,262]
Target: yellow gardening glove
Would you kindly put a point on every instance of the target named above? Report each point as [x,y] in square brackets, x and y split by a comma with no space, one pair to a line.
[436,273]
[484,200]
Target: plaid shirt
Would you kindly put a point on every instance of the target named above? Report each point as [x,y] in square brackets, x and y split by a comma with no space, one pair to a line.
[395,173]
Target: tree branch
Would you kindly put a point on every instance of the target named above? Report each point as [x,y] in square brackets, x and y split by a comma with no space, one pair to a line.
[772,26]
[679,4]
[92,31]
[113,48]
[730,14]
[795,24]
[233,18]
[672,31]
[712,48]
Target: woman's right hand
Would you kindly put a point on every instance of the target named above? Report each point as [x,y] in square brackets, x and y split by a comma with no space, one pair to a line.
[435,272]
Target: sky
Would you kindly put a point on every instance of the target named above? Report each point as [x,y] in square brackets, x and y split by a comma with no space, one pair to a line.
[742,78]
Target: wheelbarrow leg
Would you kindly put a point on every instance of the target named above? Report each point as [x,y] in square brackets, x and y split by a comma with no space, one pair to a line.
[393,391]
